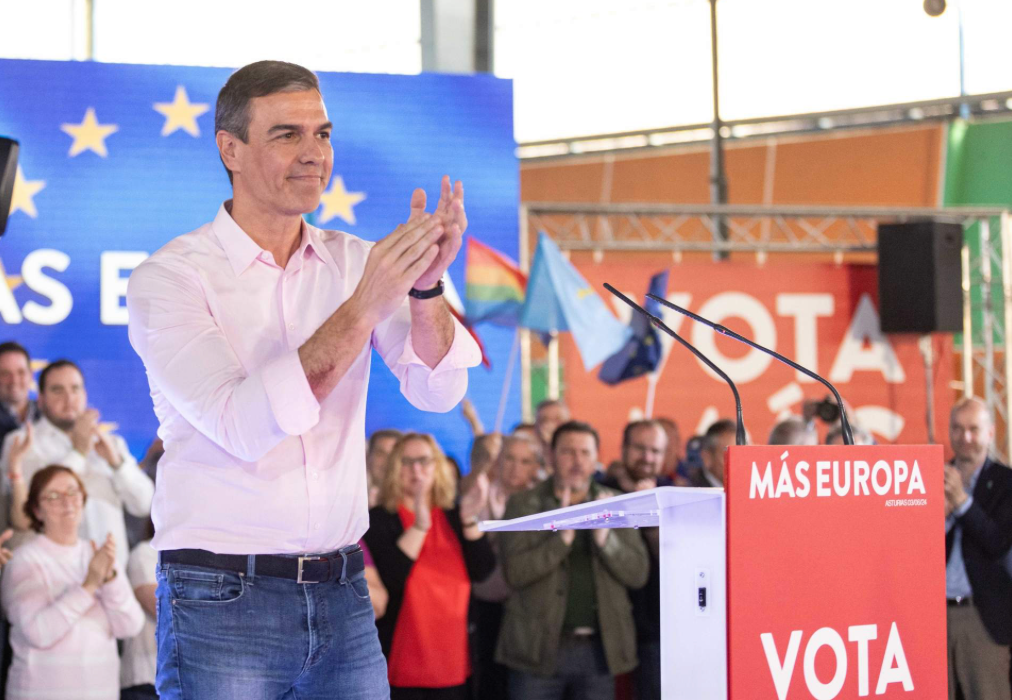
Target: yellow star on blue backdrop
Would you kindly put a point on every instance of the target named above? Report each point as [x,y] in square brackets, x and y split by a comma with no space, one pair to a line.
[13,281]
[338,201]
[89,135]
[181,113]
[37,366]
[24,190]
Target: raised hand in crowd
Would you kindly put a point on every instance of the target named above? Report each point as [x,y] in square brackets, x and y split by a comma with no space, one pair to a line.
[413,538]
[423,513]
[955,492]
[601,534]
[472,501]
[470,413]
[19,447]
[82,435]
[5,554]
[566,500]
[15,474]
[102,568]
[106,449]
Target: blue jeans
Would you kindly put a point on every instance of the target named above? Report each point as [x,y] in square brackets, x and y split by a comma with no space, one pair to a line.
[226,636]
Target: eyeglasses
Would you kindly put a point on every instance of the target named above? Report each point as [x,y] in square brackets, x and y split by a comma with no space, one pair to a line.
[55,496]
[423,462]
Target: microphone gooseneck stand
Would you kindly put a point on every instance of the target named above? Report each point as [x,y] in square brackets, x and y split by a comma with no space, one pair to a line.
[848,434]
[740,438]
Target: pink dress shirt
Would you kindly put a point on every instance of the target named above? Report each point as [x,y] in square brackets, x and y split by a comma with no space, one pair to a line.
[253,463]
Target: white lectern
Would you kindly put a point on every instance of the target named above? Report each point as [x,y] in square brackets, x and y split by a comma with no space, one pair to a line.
[693,552]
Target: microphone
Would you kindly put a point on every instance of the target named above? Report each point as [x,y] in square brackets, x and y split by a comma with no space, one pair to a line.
[739,438]
[848,435]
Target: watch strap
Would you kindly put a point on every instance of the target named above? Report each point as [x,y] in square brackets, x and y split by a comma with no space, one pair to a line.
[427,293]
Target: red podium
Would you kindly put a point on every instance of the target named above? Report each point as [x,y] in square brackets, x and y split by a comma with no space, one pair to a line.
[831,586]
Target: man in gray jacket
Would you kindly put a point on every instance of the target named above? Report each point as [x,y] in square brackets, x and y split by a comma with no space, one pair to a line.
[568,628]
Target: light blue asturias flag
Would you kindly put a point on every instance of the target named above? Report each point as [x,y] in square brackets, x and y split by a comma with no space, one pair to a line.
[559,299]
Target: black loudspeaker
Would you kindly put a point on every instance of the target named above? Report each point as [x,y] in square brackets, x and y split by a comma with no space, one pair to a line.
[8,169]
[919,279]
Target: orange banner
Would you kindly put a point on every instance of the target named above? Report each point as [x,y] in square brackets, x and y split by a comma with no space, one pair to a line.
[823,316]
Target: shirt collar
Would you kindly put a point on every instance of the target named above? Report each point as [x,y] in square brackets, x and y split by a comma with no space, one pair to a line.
[242,250]
[313,242]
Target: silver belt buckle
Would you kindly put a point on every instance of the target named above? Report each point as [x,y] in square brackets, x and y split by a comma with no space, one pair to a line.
[301,561]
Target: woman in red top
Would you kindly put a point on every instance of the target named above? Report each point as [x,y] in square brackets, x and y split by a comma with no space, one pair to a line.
[427,551]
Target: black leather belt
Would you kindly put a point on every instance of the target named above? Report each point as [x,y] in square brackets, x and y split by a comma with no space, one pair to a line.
[959,601]
[321,568]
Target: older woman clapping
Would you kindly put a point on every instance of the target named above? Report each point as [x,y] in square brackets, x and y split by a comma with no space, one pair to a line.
[65,602]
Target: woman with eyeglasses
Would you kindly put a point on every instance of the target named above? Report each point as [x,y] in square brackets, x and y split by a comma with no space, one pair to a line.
[66,603]
[427,551]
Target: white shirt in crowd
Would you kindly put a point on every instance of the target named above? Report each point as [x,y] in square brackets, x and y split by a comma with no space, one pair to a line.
[140,653]
[109,490]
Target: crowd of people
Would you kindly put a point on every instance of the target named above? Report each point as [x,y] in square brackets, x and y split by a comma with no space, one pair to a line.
[460,613]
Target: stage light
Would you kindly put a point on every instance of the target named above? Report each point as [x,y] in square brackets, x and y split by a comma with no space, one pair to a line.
[934,8]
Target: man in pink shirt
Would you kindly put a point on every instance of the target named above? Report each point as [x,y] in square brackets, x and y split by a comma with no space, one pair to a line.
[256,331]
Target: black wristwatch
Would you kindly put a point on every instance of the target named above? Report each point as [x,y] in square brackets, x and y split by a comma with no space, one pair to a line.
[427,293]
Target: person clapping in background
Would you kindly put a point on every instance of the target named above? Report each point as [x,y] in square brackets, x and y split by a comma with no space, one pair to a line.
[427,551]
[66,602]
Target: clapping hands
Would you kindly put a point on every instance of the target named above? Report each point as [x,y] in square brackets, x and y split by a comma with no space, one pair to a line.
[475,499]
[20,445]
[5,554]
[102,568]
[450,214]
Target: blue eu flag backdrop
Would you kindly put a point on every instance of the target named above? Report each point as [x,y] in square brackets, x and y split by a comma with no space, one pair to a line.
[116,160]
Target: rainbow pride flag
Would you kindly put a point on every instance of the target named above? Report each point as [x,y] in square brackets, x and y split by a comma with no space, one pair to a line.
[494,286]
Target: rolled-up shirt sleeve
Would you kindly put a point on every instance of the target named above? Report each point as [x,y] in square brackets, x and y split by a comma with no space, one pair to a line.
[189,359]
[437,389]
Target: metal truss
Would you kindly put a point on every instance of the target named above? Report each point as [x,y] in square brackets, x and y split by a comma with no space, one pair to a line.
[986,265]
[987,295]
[982,106]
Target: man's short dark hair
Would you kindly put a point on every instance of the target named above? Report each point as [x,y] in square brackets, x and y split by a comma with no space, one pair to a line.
[232,112]
[575,426]
[12,346]
[719,429]
[632,427]
[380,435]
[55,365]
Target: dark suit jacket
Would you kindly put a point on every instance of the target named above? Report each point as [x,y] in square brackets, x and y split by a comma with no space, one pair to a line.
[987,537]
[699,480]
